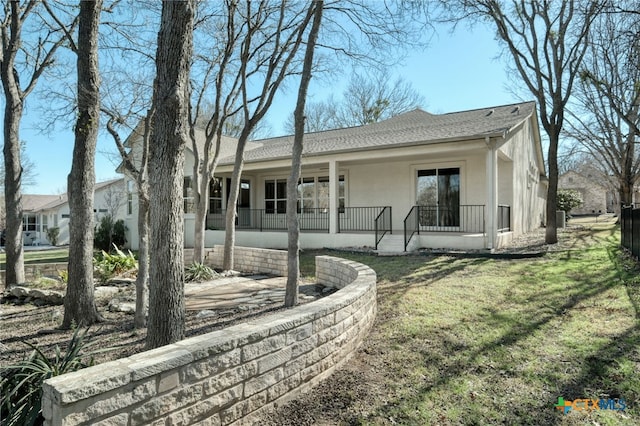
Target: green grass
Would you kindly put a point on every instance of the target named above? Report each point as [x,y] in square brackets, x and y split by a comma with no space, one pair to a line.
[41,256]
[487,341]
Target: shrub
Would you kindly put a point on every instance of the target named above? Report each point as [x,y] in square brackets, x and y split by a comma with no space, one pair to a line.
[109,233]
[52,235]
[21,384]
[108,265]
[199,272]
[568,199]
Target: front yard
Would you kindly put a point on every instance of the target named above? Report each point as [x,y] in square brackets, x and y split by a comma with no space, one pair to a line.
[464,340]
[486,341]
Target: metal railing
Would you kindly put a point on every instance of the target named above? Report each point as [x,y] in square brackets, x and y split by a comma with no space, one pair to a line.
[504,218]
[350,219]
[630,229]
[358,219]
[433,218]
[383,224]
[411,225]
[315,219]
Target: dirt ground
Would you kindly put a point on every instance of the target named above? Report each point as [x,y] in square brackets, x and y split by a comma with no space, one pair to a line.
[20,324]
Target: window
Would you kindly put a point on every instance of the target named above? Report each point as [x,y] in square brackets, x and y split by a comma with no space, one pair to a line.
[313,194]
[306,195]
[187,192]
[65,216]
[29,223]
[215,196]
[55,220]
[275,196]
[45,223]
[129,197]
[438,192]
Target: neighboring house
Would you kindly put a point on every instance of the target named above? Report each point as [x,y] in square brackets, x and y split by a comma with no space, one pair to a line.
[41,212]
[464,180]
[597,198]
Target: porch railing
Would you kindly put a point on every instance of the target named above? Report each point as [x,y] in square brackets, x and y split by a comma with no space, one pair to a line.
[350,219]
[359,219]
[411,226]
[383,224]
[433,218]
[504,218]
[315,219]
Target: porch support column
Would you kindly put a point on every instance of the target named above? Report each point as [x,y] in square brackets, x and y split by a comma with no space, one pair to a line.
[491,209]
[334,177]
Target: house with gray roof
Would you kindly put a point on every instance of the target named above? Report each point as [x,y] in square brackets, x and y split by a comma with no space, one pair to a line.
[464,180]
[41,212]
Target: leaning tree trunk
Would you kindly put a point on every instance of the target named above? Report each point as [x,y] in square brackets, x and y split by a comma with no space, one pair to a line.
[293,228]
[166,173]
[79,301]
[234,191]
[142,280]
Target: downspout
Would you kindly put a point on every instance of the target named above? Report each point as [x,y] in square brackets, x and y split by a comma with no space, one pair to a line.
[491,232]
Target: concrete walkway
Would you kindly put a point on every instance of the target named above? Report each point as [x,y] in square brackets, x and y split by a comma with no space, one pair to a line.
[249,292]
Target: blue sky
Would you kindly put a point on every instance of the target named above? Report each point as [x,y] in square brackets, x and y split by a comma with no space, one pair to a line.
[456,72]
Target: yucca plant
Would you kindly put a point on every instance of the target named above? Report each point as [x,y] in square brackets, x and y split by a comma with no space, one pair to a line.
[21,384]
[199,272]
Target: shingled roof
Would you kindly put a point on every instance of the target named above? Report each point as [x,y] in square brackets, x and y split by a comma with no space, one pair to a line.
[416,127]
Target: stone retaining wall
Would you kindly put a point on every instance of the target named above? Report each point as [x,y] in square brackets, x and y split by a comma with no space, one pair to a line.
[251,260]
[34,271]
[229,376]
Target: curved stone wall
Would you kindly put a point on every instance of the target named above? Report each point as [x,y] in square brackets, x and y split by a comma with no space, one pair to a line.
[228,376]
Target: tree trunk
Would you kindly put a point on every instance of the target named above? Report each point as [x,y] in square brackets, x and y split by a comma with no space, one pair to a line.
[230,218]
[200,222]
[13,108]
[166,173]
[79,301]
[142,280]
[293,244]
[14,273]
[551,231]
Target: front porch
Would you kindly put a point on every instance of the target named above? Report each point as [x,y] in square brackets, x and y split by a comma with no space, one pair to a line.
[424,226]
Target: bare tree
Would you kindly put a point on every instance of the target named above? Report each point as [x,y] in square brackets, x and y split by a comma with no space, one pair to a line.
[169,135]
[281,33]
[29,173]
[293,227]
[79,301]
[137,168]
[127,107]
[546,42]
[370,97]
[607,121]
[20,58]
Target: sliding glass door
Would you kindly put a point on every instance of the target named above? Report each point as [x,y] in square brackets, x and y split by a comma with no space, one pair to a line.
[438,195]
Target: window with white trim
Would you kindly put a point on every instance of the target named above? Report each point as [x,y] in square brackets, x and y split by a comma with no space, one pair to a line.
[275,196]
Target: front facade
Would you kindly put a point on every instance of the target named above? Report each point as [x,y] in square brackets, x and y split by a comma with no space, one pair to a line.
[468,180]
[41,212]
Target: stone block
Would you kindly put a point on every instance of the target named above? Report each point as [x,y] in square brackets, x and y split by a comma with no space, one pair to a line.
[263,381]
[168,381]
[273,360]
[263,347]
[164,404]
[299,333]
[158,361]
[230,378]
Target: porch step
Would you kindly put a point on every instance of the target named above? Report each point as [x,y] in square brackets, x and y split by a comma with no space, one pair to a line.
[393,244]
